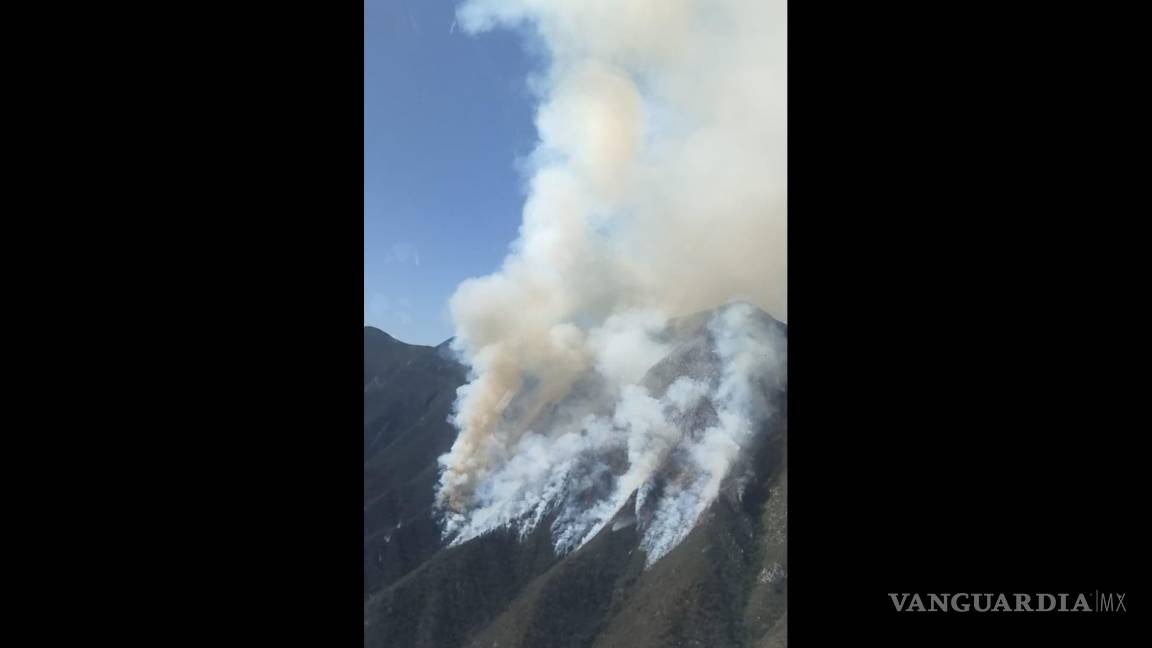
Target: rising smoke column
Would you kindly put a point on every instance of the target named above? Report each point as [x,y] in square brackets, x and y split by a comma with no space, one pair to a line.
[658,188]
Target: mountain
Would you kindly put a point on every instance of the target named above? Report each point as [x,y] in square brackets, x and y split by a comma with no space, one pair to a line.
[724,584]
[408,394]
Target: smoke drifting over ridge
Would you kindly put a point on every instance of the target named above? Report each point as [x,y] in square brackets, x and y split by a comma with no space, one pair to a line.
[658,189]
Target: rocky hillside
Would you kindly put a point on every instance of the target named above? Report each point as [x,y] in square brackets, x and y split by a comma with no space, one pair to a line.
[724,585]
[408,393]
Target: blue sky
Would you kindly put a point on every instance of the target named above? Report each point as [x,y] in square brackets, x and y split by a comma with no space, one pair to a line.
[446,115]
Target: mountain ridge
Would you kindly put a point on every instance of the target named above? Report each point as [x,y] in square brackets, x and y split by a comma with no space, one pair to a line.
[724,584]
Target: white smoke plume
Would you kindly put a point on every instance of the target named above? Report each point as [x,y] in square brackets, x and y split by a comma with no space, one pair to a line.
[657,189]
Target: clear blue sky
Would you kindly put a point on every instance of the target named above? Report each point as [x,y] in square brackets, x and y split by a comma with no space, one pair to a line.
[446,115]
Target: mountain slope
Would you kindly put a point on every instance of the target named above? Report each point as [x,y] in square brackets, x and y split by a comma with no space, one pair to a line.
[725,584]
[408,395]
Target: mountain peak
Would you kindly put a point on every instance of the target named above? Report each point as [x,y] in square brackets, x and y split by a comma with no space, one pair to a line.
[371,332]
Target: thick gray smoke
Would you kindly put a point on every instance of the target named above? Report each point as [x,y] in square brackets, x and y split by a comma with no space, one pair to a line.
[657,189]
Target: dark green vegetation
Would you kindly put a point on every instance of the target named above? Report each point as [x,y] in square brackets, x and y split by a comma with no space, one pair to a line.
[725,585]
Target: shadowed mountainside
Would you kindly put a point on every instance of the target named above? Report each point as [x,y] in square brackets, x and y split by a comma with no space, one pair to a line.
[724,585]
[408,394]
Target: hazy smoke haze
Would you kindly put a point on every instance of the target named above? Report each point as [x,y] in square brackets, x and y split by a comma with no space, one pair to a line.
[657,189]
